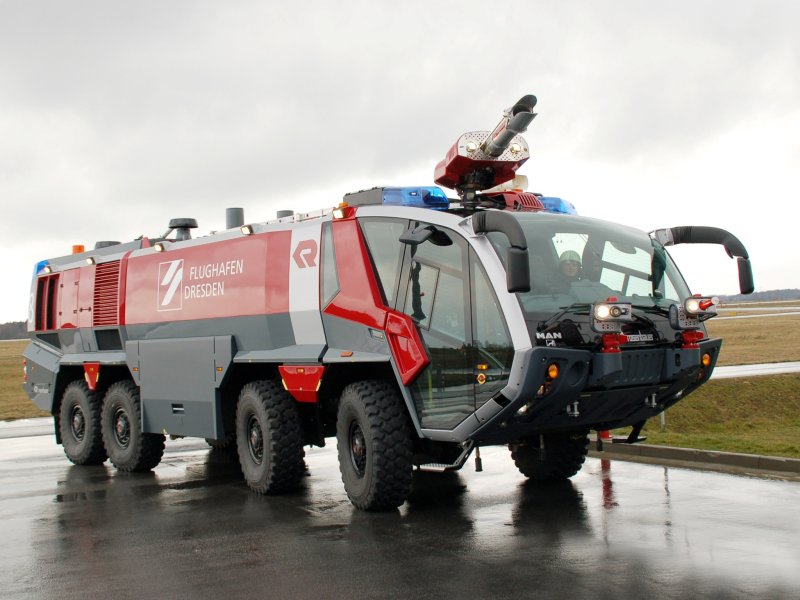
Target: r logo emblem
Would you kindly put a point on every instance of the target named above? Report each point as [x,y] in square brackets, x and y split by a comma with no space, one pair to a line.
[170,280]
[305,255]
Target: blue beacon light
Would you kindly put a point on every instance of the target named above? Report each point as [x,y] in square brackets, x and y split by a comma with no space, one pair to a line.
[420,197]
[558,205]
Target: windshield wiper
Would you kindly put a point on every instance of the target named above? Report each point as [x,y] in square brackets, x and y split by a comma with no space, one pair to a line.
[653,308]
[574,309]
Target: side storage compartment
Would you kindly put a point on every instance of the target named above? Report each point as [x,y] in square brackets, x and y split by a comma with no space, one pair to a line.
[180,381]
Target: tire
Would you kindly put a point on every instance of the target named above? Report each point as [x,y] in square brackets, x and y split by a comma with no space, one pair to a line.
[128,447]
[269,439]
[224,444]
[79,425]
[564,454]
[375,446]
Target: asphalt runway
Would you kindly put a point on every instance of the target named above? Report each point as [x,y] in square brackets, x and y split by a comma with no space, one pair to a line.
[191,529]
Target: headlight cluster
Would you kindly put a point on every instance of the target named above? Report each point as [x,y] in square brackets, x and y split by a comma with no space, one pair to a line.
[608,316]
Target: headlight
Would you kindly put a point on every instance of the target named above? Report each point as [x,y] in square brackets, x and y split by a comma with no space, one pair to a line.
[609,316]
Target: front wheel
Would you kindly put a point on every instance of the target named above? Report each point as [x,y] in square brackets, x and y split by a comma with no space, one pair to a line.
[128,447]
[269,439]
[561,458]
[79,425]
[374,445]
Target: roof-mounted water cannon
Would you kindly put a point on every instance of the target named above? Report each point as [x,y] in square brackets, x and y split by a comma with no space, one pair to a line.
[480,160]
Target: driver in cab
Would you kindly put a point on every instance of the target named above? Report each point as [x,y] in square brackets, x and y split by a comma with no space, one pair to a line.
[569,270]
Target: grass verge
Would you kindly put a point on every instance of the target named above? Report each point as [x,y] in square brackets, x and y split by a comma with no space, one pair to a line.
[758,415]
[14,404]
[759,340]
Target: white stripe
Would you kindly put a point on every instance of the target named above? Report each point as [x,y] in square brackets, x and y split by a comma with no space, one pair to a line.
[173,286]
[304,288]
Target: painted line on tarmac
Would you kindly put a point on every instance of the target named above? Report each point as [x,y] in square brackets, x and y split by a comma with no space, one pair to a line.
[26,428]
[755,370]
[788,314]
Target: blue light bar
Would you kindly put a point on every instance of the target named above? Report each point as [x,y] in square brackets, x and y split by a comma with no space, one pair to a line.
[557,205]
[39,267]
[421,197]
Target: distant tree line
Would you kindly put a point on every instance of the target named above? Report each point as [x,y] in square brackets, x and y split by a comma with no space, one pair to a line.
[768,296]
[13,331]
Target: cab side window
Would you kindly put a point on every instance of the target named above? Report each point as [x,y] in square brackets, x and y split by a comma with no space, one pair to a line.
[383,242]
[330,277]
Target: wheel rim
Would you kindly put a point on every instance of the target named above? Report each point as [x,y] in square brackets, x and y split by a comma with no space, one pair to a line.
[78,423]
[122,428]
[358,449]
[255,440]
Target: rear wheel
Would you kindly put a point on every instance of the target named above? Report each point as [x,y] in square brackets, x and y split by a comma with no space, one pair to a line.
[269,438]
[223,444]
[128,447]
[79,425]
[374,445]
[563,456]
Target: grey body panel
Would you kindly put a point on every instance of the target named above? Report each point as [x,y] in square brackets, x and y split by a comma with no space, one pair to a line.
[104,358]
[43,365]
[252,333]
[299,353]
[179,381]
[350,336]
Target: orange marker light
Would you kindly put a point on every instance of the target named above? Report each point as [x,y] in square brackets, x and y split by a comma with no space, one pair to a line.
[706,360]
[552,371]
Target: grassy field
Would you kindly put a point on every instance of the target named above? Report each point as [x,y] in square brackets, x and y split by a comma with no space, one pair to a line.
[14,404]
[757,340]
[757,415]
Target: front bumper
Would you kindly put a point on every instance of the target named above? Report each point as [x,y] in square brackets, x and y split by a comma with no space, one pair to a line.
[596,390]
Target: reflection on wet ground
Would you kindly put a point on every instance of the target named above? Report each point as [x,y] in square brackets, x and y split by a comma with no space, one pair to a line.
[192,529]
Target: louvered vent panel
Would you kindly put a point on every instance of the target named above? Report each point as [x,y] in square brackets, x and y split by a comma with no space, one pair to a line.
[106,294]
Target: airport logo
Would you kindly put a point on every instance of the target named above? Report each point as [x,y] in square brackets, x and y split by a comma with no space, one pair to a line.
[170,285]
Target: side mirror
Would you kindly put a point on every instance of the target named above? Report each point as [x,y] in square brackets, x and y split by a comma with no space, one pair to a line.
[746,284]
[712,235]
[518,275]
[422,233]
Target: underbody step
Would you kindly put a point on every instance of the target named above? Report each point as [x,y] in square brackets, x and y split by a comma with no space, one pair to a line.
[455,466]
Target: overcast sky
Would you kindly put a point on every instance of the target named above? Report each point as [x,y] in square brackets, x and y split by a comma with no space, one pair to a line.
[117,116]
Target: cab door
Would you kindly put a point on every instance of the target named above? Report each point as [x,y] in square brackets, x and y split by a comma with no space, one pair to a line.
[442,286]
[437,297]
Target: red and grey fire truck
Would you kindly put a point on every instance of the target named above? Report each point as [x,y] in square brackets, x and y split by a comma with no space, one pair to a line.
[412,327]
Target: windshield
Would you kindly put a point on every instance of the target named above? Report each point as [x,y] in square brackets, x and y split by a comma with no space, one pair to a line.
[578,260]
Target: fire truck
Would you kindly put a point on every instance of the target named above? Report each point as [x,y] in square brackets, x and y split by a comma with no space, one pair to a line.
[411,326]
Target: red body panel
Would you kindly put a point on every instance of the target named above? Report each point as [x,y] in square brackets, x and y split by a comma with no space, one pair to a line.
[86,296]
[406,346]
[248,276]
[67,299]
[359,299]
[302,382]
[91,372]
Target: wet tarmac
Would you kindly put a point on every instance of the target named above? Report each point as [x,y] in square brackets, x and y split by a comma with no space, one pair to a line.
[191,529]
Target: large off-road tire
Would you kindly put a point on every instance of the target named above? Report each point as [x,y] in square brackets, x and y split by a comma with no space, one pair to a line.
[375,445]
[564,454]
[79,425]
[128,447]
[269,438]
[224,444]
